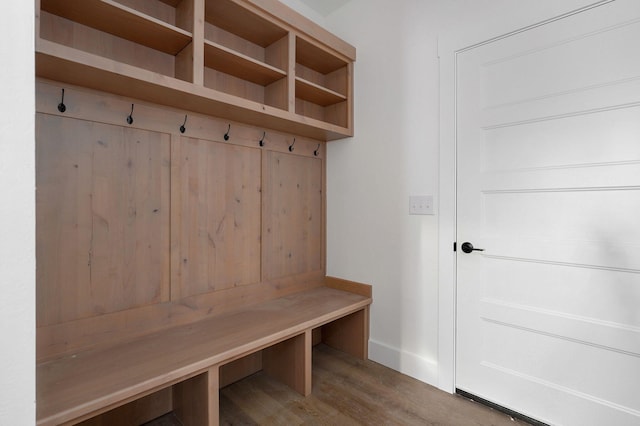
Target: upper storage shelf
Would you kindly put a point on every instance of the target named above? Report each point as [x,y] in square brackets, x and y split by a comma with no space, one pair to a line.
[119,20]
[246,60]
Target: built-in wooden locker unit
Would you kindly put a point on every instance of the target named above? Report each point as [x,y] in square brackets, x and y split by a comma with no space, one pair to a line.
[181,162]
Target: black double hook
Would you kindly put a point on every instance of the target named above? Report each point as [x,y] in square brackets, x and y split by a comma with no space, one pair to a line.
[226,135]
[130,117]
[261,141]
[182,128]
[61,106]
[317,151]
[292,144]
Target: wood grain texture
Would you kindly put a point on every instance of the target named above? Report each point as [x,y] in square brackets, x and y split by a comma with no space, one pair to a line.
[349,334]
[350,286]
[102,219]
[191,399]
[349,391]
[87,39]
[80,334]
[239,20]
[78,385]
[71,66]
[293,224]
[240,368]
[149,49]
[219,217]
[244,67]
[115,18]
[290,362]
[137,412]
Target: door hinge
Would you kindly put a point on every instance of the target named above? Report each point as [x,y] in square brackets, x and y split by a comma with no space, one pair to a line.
[455,246]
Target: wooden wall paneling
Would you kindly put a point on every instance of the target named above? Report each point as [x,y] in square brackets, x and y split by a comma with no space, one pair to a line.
[104,215]
[292,215]
[220,216]
[90,106]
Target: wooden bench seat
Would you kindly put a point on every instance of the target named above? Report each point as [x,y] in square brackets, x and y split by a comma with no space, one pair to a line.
[83,385]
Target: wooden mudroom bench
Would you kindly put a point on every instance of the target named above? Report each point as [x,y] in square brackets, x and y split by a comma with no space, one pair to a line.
[189,363]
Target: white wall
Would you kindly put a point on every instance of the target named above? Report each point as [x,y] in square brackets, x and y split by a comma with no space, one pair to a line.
[17,216]
[395,153]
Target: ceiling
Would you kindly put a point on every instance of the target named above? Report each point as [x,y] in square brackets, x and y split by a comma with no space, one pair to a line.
[325,7]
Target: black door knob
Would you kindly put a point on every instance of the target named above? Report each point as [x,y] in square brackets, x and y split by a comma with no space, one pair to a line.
[468,248]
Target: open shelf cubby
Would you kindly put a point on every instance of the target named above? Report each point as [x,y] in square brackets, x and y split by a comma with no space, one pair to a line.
[253,60]
[245,54]
[151,35]
[321,84]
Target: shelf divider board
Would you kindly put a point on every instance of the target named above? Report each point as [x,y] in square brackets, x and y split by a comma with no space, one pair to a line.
[230,62]
[317,94]
[291,72]
[198,42]
[121,21]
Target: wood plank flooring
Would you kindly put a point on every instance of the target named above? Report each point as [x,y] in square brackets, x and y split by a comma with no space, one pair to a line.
[347,391]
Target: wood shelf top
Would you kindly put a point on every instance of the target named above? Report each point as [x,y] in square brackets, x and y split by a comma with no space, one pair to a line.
[317,94]
[76,385]
[315,58]
[67,65]
[239,65]
[238,20]
[122,21]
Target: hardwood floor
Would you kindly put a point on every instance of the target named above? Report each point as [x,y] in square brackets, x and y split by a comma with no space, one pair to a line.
[347,391]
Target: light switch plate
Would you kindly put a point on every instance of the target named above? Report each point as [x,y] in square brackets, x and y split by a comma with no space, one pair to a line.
[421,204]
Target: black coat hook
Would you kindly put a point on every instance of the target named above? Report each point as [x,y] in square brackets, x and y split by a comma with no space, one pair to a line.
[182,128]
[261,142]
[130,117]
[317,151]
[292,144]
[226,135]
[61,106]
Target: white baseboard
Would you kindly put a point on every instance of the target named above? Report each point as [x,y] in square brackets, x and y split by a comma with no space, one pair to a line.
[413,365]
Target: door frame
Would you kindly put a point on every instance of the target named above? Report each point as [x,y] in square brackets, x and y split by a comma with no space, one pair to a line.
[449,47]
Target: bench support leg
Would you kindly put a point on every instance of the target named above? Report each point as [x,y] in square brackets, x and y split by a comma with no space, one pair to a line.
[290,362]
[349,334]
[196,401]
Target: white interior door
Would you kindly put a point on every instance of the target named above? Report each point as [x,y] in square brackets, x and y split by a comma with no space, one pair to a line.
[548,184]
